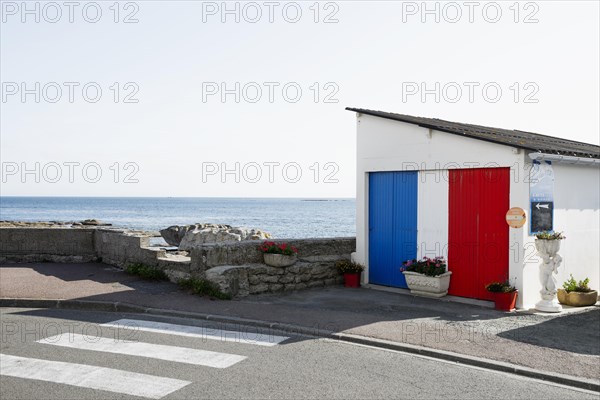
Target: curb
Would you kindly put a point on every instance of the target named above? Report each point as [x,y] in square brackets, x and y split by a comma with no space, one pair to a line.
[581,383]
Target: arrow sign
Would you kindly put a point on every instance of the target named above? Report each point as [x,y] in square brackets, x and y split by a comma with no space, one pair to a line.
[542,216]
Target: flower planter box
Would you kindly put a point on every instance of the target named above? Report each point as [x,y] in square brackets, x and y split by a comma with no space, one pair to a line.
[279,260]
[428,286]
[352,279]
[577,299]
[505,301]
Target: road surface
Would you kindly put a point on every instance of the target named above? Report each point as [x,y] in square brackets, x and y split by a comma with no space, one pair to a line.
[68,354]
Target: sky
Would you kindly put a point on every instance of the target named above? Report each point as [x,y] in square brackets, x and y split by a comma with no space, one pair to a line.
[247,99]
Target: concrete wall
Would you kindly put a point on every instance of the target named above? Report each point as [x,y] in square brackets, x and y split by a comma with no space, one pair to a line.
[47,244]
[111,246]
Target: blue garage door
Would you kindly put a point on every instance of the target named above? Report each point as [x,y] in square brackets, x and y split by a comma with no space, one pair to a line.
[392,225]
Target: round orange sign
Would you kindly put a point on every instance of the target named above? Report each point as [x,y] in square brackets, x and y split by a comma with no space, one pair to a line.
[515,217]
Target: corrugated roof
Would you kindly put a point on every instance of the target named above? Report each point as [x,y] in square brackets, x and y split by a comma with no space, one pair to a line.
[525,140]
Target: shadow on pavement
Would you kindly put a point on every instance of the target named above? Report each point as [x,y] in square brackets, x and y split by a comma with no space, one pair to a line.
[575,333]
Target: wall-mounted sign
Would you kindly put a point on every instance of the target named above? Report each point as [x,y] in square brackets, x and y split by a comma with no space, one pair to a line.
[515,217]
[541,197]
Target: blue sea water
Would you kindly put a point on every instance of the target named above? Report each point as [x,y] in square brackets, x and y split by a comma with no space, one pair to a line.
[283,218]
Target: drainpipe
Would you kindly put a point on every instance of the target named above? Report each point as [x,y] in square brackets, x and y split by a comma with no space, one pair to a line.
[593,162]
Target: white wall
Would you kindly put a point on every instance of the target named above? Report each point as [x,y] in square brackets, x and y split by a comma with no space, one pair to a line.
[432,215]
[576,213]
[577,203]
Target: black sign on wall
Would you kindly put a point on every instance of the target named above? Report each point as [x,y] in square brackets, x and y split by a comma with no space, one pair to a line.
[542,213]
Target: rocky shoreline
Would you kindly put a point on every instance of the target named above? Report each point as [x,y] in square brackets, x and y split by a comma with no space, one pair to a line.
[86,223]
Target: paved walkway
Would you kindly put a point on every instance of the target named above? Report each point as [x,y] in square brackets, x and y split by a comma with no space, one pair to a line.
[567,344]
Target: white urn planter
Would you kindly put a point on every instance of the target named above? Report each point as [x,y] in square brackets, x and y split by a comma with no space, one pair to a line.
[428,286]
[279,260]
[548,251]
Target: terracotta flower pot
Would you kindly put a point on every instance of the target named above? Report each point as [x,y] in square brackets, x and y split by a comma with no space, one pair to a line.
[352,279]
[577,299]
[506,301]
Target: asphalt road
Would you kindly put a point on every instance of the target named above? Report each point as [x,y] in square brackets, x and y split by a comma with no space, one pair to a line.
[66,354]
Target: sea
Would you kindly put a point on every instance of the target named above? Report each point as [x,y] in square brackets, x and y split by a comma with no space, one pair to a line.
[282,217]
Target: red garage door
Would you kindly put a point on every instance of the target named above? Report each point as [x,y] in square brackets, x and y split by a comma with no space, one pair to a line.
[477,231]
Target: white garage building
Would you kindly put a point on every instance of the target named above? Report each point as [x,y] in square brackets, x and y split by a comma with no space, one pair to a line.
[428,187]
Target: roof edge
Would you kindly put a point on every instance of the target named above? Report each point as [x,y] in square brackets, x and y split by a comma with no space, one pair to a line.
[399,117]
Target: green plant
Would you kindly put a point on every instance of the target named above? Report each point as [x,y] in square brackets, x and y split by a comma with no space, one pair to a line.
[349,267]
[281,248]
[572,285]
[203,288]
[146,272]
[547,235]
[500,287]
[426,266]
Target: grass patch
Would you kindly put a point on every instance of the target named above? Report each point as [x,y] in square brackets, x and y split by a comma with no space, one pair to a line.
[204,288]
[146,272]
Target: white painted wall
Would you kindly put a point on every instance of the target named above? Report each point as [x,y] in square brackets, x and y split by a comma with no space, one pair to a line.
[577,203]
[576,213]
[432,215]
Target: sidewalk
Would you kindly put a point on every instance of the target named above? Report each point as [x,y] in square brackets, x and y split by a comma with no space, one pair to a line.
[567,344]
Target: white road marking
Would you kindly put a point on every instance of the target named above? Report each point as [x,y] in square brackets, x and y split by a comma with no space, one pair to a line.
[140,349]
[250,337]
[88,376]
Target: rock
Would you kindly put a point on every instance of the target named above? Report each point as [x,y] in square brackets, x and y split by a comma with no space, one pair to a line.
[175,233]
[193,236]
[276,287]
[93,222]
[88,223]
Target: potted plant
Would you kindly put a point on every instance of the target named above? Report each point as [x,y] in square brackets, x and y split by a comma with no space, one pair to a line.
[278,254]
[577,294]
[351,271]
[427,277]
[547,244]
[505,295]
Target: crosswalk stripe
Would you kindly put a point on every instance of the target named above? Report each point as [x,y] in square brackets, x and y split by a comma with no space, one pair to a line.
[255,338]
[141,349]
[88,376]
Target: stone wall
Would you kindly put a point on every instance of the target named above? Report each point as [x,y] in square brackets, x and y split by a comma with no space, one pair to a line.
[236,267]
[47,244]
[121,248]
